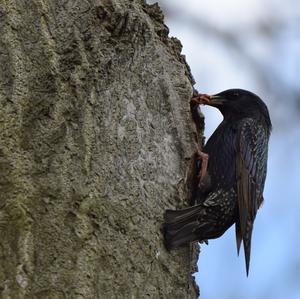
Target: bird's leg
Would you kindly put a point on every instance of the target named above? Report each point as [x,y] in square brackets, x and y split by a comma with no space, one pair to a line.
[204,163]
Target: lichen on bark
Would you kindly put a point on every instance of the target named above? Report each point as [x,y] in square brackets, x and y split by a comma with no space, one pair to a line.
[94,146]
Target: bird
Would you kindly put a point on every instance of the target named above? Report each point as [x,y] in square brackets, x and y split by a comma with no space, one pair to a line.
[237,155]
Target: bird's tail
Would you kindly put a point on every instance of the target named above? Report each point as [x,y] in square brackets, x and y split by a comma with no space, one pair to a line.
[181,226]
[246,238]
[247,245]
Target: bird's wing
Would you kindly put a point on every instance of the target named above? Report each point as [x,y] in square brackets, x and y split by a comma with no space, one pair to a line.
[251,167]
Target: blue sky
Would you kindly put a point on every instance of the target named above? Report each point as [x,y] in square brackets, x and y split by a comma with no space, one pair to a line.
[265,60]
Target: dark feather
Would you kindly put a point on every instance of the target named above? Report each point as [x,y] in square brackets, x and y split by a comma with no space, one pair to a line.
[250,174]
[237,170]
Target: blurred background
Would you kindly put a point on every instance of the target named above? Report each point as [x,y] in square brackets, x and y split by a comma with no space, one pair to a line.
[255,45]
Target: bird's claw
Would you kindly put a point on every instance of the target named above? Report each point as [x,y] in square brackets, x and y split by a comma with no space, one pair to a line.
[204,163]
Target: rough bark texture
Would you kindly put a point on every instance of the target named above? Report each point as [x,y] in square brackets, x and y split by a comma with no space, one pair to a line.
[95,141]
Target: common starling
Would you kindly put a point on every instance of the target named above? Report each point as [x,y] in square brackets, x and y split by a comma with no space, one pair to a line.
[237,166]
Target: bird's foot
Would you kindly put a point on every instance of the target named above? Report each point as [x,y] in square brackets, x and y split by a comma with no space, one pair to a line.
[204,163]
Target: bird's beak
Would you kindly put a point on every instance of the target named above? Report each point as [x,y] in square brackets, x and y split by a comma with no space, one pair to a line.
[214,100]
[206,99]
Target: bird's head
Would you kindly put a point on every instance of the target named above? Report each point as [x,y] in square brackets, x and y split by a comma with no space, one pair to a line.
[236,103]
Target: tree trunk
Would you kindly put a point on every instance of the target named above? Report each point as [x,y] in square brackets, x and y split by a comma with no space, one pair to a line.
[95,140]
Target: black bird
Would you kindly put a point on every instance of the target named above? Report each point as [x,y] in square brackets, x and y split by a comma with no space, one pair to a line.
[237,168]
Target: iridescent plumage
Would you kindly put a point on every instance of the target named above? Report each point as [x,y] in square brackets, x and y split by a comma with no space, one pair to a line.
[237,169]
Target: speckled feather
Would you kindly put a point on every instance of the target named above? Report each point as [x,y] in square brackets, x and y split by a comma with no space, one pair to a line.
[251,169]
[237,168]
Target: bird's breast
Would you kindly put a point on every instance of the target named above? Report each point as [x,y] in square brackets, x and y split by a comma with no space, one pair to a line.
[222,156]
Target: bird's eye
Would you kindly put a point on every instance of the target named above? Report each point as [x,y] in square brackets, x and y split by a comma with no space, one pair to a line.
[236,94]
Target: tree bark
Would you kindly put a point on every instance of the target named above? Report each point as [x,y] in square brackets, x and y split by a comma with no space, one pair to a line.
[95,140]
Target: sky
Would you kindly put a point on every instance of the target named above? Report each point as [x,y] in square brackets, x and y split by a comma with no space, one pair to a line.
[255,45]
